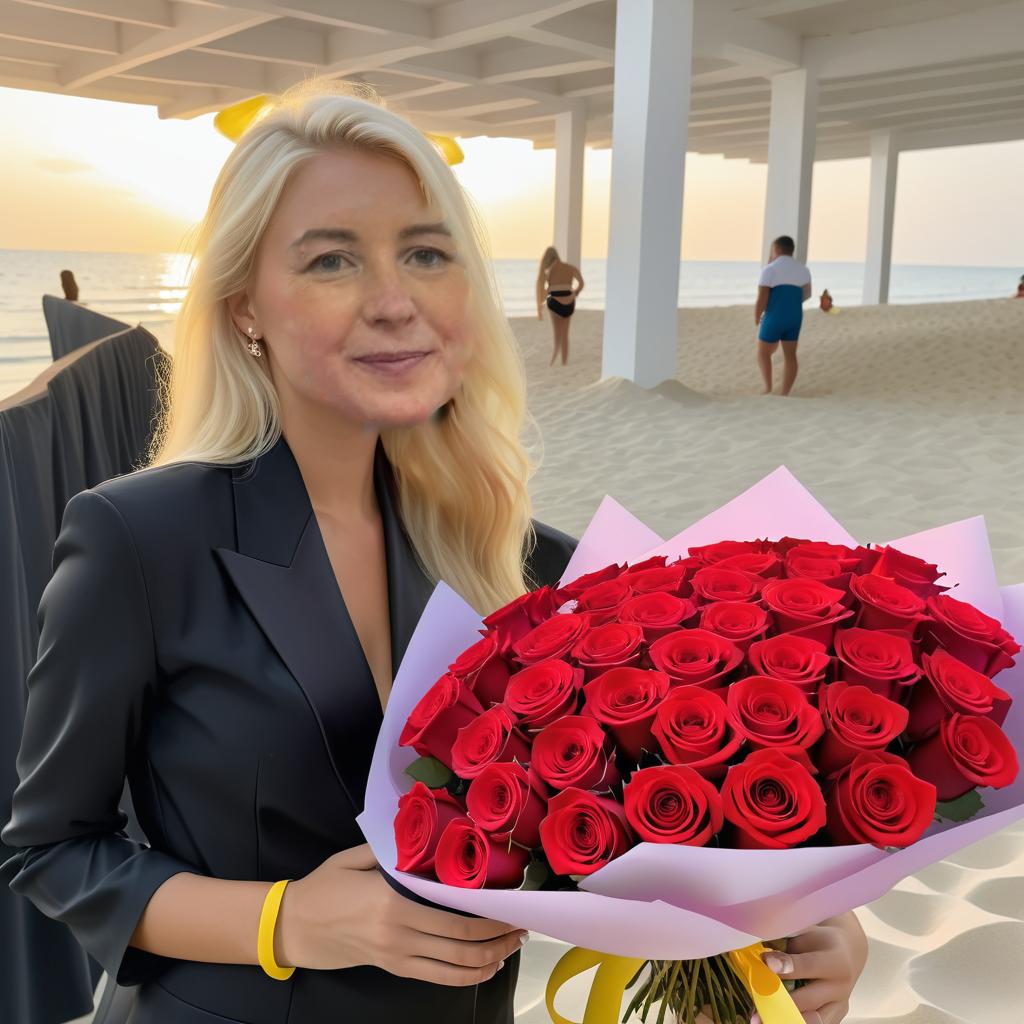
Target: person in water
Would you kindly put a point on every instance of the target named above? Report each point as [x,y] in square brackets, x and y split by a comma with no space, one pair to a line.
[783,288]
[1020,288]
[70,285]
[560,283]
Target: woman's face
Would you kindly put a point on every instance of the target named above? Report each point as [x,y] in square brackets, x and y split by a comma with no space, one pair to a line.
[359,294]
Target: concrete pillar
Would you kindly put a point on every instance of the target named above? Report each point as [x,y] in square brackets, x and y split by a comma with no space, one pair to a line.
[570,135]
[650,120]
[791,139]
[885,155]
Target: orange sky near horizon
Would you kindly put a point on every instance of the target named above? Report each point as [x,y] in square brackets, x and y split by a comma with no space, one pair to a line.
[91,175]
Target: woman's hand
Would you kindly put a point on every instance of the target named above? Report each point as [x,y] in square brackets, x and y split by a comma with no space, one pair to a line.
[343,914]
[833,954]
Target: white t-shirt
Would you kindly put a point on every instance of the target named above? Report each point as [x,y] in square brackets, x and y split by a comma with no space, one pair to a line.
[785,270]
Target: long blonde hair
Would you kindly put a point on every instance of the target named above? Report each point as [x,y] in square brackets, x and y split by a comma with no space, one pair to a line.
[462,480]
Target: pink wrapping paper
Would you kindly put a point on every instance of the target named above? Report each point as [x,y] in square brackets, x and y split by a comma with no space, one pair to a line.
[679,902]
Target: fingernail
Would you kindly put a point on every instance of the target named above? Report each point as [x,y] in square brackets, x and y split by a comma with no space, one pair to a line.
[502,964]
[523,939]
[778,964]
[756,1019]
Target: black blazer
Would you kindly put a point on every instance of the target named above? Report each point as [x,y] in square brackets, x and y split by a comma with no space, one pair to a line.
[194,641]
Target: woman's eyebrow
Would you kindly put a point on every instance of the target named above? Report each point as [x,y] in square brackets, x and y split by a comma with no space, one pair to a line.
[324,234]
[439,228]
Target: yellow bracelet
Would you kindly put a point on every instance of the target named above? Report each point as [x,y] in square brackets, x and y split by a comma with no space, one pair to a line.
[265,939]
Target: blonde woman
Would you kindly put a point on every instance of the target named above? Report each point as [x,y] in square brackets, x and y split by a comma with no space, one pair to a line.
[560,282]
[222,628]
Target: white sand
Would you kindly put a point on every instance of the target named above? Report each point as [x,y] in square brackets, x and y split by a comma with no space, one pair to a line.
[903,418]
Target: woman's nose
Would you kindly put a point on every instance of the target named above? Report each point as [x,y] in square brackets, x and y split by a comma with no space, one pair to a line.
[388,299]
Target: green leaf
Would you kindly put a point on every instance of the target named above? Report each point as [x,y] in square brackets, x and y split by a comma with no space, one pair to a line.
[535,876]
[430,772]
[963,808]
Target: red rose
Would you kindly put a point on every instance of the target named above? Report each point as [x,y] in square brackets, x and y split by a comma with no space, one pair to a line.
[657,614]
[672,804]
[909,571]
[772,801]
[807,606]
[737,621]
[624,701]
[796,659]
[826,570]
[695,656]
[884,604]
[591,579]
[847,559]
[436,720]
[482,668]
[691,727]
[575,751]
[518,617]
[491,736]
[422,816]
[504,801]
[712,554]
[948,686]
[602,602]
[541,693]
[551,639]
[878,800]
[765,564]
[717,584]
[856,719]
[583,832]
[670,579]
[883,662]
[470,859]
[654,562]
[613,645]
[772,713]
[967,751]
[972,636]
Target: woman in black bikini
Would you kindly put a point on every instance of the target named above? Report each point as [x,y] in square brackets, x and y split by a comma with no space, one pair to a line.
[556,280]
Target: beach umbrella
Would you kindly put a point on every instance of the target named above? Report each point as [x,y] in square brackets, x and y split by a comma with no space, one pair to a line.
[232,121]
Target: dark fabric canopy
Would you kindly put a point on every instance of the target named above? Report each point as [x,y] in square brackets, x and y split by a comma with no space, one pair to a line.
[72,325]
[85,419]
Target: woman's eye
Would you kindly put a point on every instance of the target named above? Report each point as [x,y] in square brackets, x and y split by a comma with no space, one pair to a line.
[430,257]
[329,261]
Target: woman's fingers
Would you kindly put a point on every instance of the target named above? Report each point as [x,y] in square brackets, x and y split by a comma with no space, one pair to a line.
[489,953]
[439,973]
[452,926]
[824,963]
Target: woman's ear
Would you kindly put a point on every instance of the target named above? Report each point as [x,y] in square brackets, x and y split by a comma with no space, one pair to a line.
[241,312]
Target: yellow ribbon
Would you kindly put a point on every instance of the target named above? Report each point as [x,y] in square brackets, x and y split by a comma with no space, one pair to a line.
[771,999]
[232,121]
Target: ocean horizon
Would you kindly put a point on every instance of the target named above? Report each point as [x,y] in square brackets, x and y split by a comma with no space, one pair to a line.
[149,287]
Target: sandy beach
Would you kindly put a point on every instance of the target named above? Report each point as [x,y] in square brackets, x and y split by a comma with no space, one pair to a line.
[902,418]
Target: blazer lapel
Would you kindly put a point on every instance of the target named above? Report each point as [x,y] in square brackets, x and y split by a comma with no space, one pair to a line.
[283,574]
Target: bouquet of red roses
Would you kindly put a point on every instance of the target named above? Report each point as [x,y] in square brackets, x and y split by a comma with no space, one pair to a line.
[802,700]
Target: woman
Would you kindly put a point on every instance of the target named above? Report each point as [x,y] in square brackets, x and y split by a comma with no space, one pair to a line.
[222,628]
[558,280]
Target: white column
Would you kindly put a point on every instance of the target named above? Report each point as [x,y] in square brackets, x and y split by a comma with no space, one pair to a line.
[650,120]
[570,135]
[885,155]
[791,139]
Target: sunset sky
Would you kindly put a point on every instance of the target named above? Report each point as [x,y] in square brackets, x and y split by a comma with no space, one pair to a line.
[83,174]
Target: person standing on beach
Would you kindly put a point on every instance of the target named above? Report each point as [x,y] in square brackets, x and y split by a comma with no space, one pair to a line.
[557,280]
[70,285]
[784,286]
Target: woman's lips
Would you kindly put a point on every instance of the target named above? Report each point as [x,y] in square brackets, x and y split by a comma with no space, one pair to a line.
[392,363]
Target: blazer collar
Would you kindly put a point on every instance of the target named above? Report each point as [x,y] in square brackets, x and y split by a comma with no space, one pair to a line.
[283,574]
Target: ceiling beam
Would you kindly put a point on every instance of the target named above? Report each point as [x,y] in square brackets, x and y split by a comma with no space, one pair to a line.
[149,13]
[196,26]
[35,25]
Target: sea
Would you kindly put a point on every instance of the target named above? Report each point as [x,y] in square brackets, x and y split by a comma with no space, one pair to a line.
[148,288]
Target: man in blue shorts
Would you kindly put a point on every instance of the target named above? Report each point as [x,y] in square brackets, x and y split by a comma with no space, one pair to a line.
[784,287]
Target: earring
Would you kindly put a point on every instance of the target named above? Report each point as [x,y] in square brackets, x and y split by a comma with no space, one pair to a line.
[254,344]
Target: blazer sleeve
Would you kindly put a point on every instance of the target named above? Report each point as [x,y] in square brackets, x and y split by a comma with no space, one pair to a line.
[88,697]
